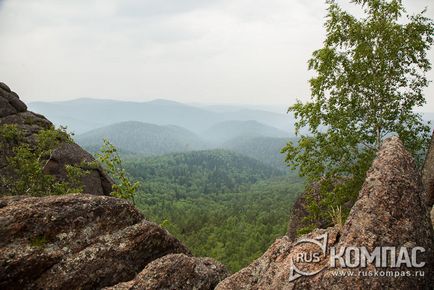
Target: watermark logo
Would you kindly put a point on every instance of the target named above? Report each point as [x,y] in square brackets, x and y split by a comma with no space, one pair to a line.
[312,257]
[309,257]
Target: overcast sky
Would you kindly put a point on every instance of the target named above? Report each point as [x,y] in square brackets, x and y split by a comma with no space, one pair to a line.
[221,51]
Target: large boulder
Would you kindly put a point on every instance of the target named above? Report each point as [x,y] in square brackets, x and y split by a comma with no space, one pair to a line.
[77,241]
[177,271]
[391,211]
[14,111]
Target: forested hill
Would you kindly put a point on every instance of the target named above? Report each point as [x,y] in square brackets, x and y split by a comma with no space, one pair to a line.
[225,131]
[264,149]
[219,203]
[142,138]
[198,172]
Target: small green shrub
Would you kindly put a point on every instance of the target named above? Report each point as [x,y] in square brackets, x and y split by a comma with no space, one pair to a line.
[112,163]
[28,162]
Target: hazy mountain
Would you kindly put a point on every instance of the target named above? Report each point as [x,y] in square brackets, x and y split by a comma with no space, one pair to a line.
[280,109]
[228,130]
[264,149]
[82,115]
[250,138]
[142,138]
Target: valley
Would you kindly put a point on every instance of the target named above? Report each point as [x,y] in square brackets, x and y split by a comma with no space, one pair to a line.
[214,177]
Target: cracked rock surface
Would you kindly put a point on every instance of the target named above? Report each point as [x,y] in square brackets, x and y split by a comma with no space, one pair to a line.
[77,241]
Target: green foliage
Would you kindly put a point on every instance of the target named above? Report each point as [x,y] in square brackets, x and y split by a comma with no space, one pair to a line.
[27,163]
[10,133]
[216,202]
[232,227]
[370,77]
[337,217]
[112,163]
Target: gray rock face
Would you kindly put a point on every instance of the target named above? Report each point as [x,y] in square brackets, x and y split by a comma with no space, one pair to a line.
[10,102]
[177,271]
[391,211]
[14,111]
[76,241]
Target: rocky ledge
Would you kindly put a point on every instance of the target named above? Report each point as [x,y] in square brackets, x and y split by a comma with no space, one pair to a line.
[84,241]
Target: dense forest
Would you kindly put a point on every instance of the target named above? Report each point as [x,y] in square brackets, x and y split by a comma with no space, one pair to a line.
[198,172]
[219,203]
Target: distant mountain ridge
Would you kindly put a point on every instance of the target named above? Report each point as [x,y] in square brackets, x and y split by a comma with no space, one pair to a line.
[249,138]
[228,130]
[142,138]
[83,115]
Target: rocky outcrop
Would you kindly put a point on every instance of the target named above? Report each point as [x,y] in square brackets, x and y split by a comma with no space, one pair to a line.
[14,111]
[177,271]
[428,177]
[391,211]
[83,241]
[10,103]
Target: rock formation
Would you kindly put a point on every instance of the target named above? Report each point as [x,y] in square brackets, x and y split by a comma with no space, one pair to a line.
[428,177]
[14,111]
[177,271]
[84,241]
[391,211]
